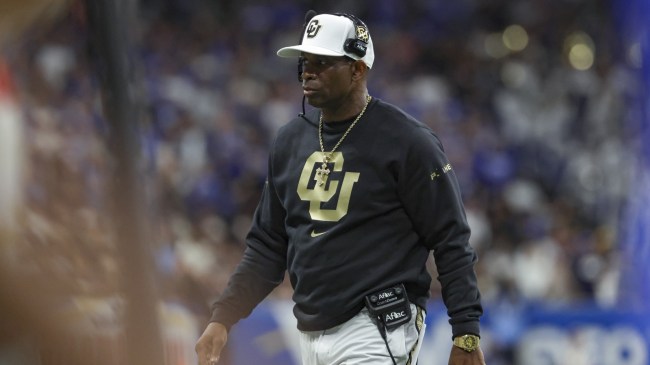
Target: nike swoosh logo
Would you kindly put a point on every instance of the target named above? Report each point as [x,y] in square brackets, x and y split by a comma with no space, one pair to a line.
[314,234]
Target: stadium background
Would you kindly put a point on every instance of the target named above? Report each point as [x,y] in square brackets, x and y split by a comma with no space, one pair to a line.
[541,107]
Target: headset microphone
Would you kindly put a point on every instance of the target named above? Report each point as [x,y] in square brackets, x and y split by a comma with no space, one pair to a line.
[310,14]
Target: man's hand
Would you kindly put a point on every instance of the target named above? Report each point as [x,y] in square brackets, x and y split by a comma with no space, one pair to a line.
[459,356]
[209,346]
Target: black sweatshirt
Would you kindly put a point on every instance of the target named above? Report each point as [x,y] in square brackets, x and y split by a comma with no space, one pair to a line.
[391,197]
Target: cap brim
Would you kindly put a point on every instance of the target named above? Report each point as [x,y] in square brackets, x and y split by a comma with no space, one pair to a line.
[296,51]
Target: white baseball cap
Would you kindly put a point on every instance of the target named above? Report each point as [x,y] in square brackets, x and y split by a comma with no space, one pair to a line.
[327,34]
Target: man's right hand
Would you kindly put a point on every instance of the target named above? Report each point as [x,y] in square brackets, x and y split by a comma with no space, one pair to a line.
[209,346]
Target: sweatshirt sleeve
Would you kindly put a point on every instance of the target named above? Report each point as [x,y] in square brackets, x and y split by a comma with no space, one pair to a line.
[432,199]
[263,264]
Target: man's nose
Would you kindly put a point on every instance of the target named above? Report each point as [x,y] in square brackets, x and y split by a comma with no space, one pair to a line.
[307,74]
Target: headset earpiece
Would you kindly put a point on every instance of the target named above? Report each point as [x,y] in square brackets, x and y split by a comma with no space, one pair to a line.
[355,46]
[359,44]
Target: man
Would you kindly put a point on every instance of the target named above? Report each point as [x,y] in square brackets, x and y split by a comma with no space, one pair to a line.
[358,194]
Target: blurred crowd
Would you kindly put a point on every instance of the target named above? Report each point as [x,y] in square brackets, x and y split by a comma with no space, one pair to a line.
[538,136]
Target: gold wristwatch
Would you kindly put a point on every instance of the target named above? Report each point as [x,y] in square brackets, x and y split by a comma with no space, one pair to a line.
[468,343]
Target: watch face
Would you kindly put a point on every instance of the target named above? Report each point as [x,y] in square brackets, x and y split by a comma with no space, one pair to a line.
[469,342]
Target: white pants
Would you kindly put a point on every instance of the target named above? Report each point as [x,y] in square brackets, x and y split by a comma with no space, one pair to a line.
[358,342]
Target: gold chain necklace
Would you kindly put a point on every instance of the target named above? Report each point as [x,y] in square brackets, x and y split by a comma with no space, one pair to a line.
[324,171]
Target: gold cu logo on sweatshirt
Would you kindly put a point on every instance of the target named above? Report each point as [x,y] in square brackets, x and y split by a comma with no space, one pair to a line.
[309,190]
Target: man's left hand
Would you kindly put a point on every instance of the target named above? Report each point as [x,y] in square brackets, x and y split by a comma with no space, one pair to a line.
[459,356]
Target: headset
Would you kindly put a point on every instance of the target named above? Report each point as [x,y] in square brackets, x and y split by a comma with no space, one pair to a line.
[358,45]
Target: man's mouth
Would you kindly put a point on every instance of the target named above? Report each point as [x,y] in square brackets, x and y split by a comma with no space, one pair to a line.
[308,91]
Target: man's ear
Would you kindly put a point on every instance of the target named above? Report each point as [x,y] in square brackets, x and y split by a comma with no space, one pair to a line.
[359,70]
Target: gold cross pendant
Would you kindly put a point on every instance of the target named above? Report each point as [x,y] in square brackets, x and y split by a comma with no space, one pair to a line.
[323,171]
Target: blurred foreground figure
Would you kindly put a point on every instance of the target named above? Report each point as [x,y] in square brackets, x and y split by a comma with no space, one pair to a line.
[21,311]
[16,17]
[358,194]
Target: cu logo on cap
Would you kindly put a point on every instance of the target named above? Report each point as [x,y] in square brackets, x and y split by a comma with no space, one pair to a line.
[362,34]
[313,28]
